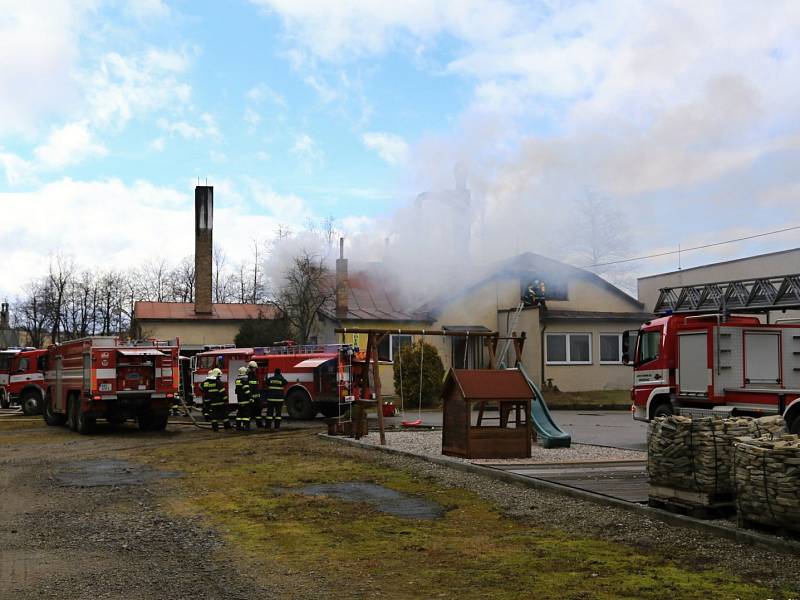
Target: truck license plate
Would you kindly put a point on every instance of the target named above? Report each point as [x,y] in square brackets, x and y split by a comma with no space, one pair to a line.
[105,387]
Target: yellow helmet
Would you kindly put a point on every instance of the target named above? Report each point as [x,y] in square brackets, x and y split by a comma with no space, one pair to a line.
[252,364]
[242,370]
[215,372]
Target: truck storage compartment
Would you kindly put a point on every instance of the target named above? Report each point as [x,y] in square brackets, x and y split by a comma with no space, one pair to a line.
[136,369]
[693,376]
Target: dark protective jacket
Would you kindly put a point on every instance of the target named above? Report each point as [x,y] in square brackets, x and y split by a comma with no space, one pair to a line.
[275,386]
[214,392]
[244,394]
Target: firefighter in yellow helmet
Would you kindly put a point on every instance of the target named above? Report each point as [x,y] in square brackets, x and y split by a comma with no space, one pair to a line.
[244,400]
[257,403]
[275,388]
[214,387]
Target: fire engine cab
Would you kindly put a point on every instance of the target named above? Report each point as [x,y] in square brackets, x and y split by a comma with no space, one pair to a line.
[701,359]
[318,376]
[22,379]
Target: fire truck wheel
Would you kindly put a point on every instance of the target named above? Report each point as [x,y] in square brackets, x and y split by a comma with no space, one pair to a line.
[794,425]
[51,417]
[4,401]
[72,416]
[299,406]
[84,424]
[31,403]
[663,410]
[329,410]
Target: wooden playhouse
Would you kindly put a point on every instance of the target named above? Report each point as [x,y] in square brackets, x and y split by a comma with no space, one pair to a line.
[509,434]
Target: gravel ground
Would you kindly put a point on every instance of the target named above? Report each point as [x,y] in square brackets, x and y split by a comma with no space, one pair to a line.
[104,542]
[429,443]
[542,508]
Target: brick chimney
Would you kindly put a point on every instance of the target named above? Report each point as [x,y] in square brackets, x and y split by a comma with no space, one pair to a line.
[342,292]
[203,247]
[4,321]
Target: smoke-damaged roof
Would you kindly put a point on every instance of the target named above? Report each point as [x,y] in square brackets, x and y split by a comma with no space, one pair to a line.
[184,311]
[371,297]
[527,267]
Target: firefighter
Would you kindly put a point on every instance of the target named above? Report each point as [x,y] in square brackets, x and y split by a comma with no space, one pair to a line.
[257,403]
[275,386]
[208,389]
[244,397]
[218,401]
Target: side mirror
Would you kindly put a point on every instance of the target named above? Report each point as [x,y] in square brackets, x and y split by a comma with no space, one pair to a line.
[626,359]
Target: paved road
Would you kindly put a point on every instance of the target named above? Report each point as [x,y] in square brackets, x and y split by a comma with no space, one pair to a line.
[604,428]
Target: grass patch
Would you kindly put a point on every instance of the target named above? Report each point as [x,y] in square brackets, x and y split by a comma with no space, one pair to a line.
[474,551]
[565,400]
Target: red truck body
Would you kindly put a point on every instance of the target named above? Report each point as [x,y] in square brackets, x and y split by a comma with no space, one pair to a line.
[318,376]
[22,379]
[702,364]
[105,377]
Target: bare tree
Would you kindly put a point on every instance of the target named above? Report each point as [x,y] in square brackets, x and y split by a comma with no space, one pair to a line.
[307,286]
[58,279]
[599,234]
[31,312]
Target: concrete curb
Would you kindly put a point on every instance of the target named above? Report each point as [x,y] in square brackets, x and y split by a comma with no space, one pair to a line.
[739,535]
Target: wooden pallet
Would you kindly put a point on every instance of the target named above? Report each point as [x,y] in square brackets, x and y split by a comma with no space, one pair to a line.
[701,505]
[779,530]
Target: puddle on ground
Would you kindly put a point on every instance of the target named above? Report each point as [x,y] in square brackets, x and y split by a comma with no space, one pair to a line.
[381,498]
[94,473]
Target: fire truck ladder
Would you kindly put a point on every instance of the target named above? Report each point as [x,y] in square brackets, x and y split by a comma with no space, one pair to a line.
[741,296]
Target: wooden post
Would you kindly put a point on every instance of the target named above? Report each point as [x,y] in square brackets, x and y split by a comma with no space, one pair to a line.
[491,347]
[373,340]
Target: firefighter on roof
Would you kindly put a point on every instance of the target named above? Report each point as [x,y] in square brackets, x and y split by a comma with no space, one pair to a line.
[257,403]
[244,397]
[275,386]
[214,391]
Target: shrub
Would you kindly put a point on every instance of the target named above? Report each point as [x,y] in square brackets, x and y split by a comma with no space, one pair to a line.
[432,375]
[261,332]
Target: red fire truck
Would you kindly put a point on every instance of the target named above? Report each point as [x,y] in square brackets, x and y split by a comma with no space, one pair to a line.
[318,376]
[700,359]
[22,379]
[105,377]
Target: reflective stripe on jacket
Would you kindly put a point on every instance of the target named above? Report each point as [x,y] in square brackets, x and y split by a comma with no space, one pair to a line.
[275,385]
[243,392]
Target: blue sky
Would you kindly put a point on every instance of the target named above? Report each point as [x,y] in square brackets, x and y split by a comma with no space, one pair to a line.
[296,110]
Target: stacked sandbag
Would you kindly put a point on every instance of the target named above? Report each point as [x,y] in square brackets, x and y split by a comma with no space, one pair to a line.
[696,454]
[768,426]
[690,454]
[767,477]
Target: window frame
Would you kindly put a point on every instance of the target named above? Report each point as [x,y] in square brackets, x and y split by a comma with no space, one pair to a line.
[390,339]
[568,335]
[600,347]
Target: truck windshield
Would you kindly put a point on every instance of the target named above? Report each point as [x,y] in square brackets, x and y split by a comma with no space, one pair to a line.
[649,344]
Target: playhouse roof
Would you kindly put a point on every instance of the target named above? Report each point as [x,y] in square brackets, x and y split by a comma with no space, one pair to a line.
[488,384]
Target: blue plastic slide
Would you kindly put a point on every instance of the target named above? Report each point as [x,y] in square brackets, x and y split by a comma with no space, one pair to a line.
[550,434]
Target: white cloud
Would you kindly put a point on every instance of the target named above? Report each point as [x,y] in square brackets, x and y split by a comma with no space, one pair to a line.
[17,170]
[69,145]
[252,117]
[82,218]
[146,10]
[40,50]
[158,144]
[290,208]
[262,92]
[124,87]
[306,149]
[205,127]
[390,147]
[326,93]
[336,30]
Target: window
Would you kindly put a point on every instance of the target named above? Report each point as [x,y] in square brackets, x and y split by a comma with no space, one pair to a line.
[466,352]
[569,348]
[23,365]
[390,345]
[610,348]
[649,345]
